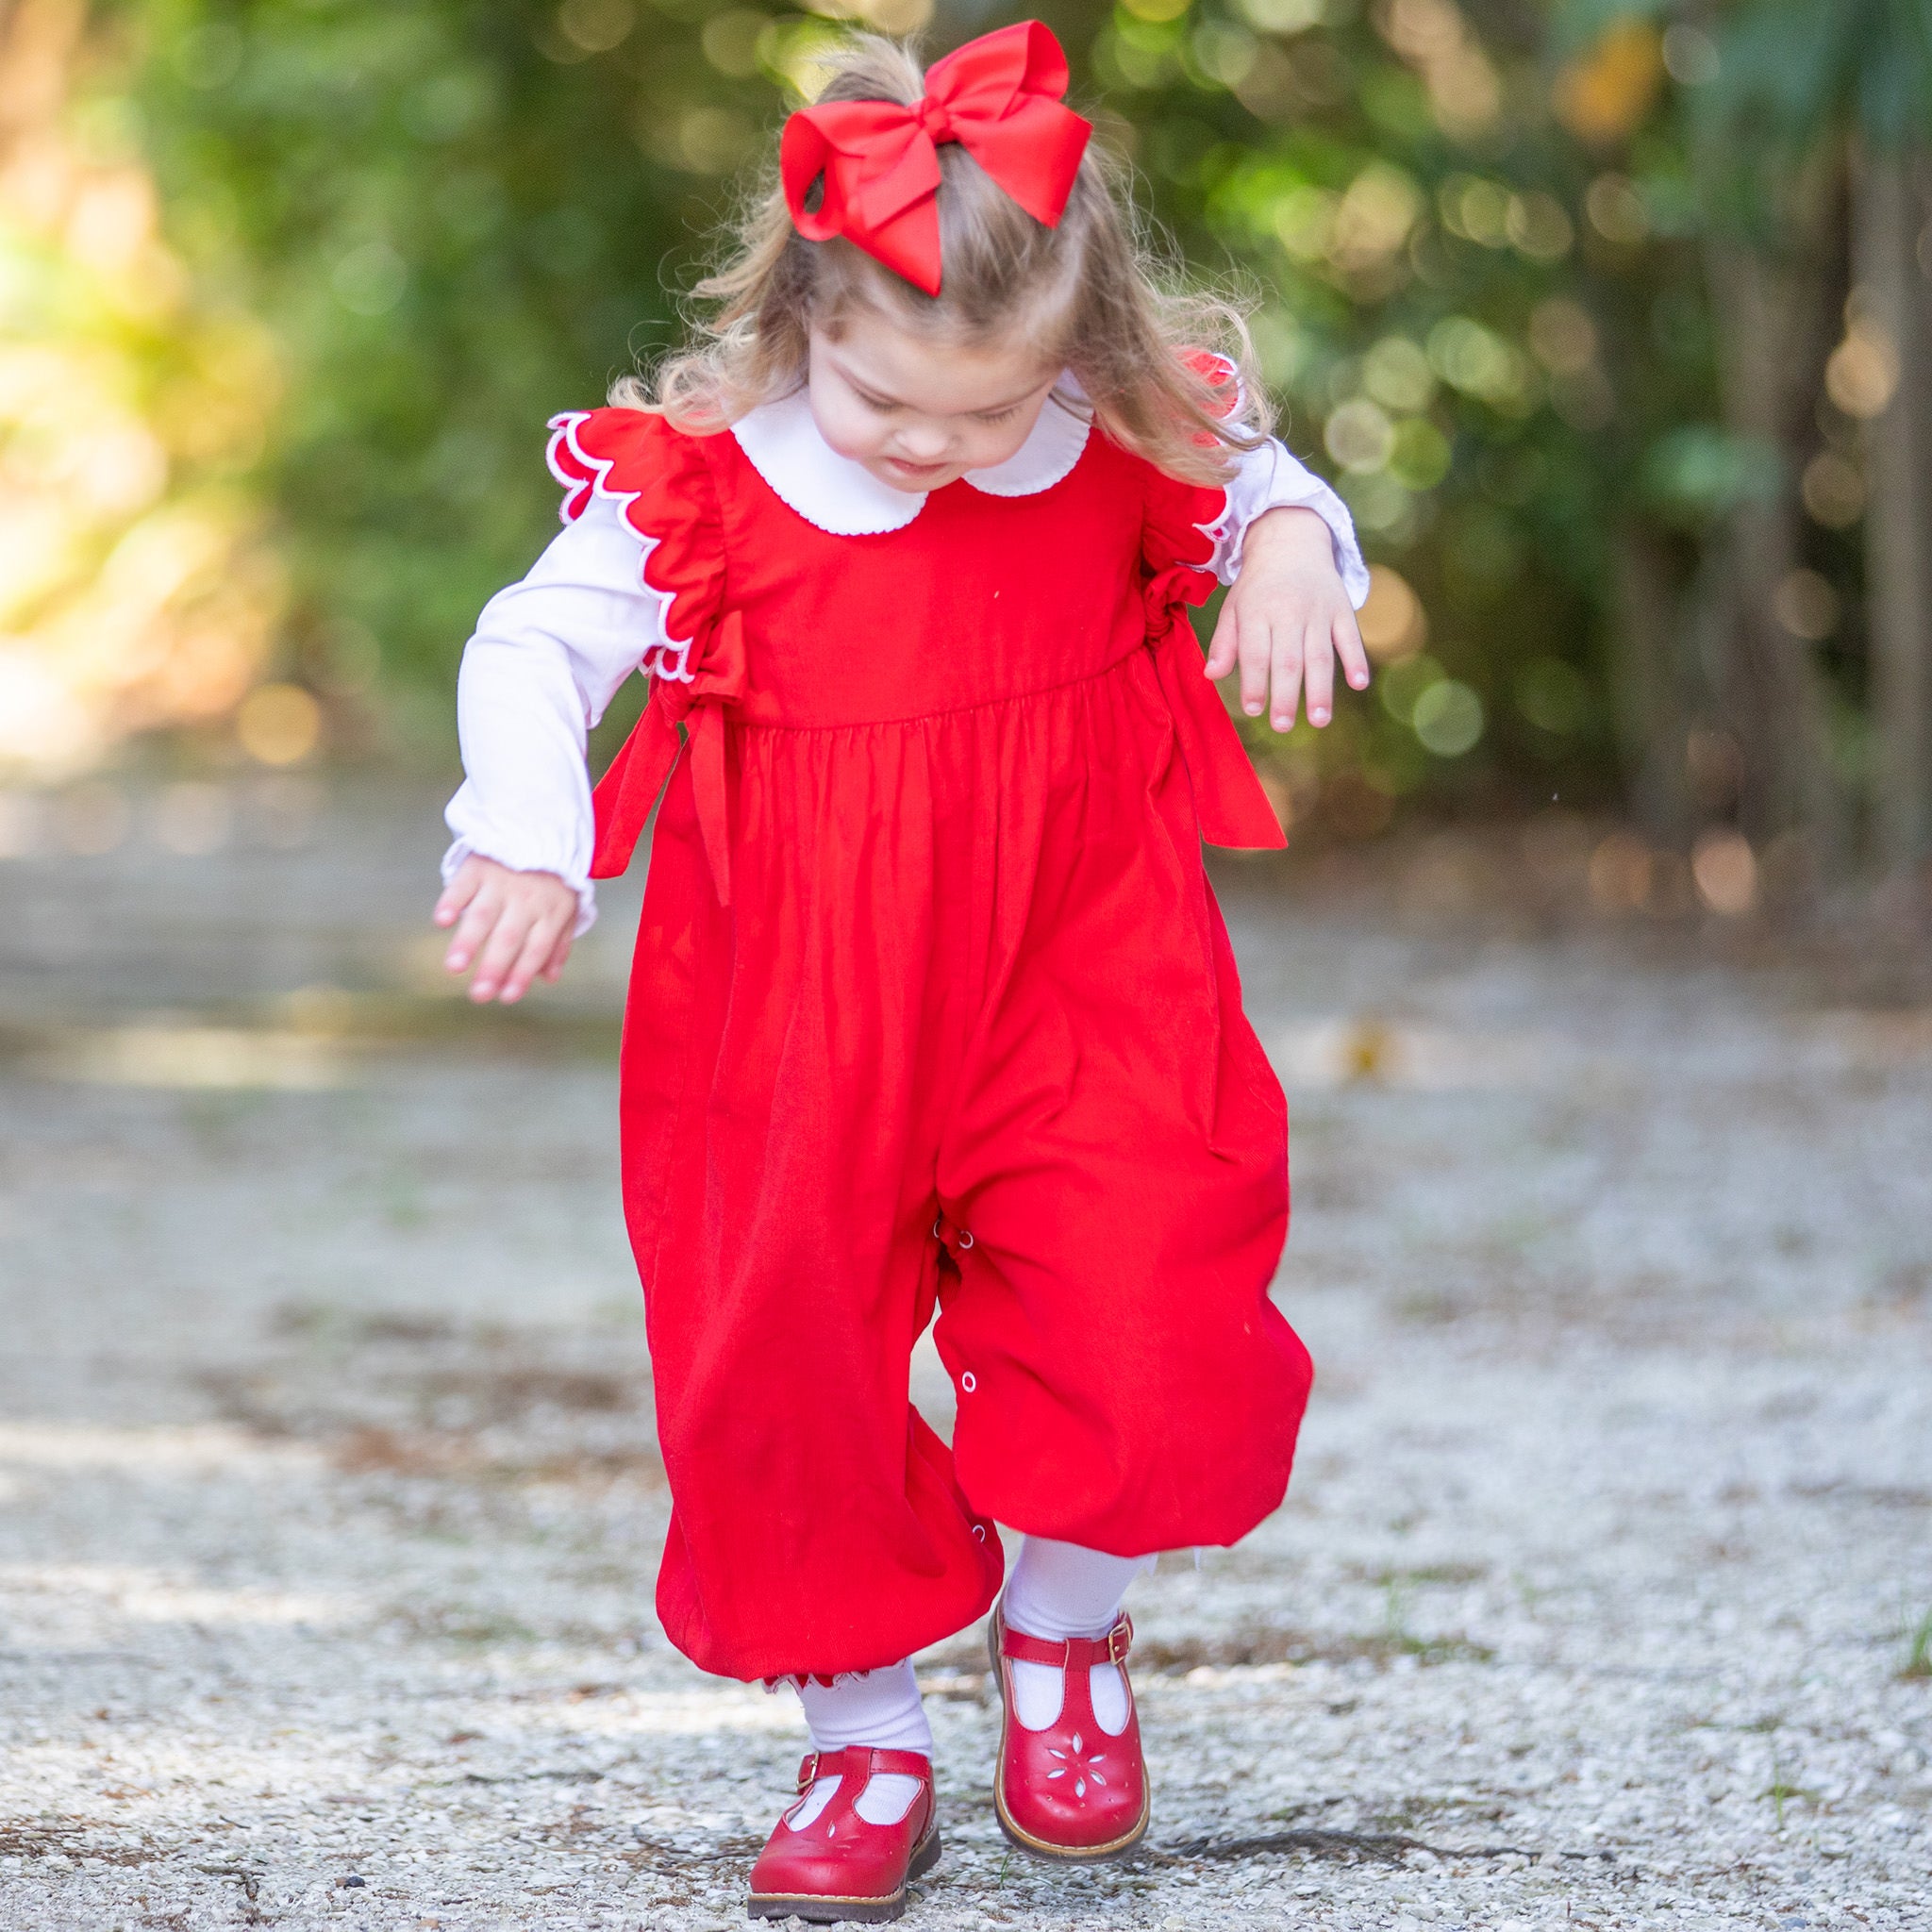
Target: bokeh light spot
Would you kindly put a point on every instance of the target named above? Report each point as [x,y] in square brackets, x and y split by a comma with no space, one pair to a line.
[730,41]
[1393,624]
[1807,606]
[1285,16]
[1620,873]
[278,724]
[1617,210]
[596,25]
[1690,56]
[370,280]
[1448,718]
[1725,871]
[1402,685]
[1562,336]
[1602,96]
[1421,456]
[1863,375]
[1834,490]
[1397,374]
[1539,225]
[1360,437]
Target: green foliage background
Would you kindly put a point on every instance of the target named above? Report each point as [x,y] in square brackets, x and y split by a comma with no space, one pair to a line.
[460,216]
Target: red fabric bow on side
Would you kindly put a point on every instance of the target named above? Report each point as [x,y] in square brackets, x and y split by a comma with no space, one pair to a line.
[1000,97]
[625,794]
[1233,808]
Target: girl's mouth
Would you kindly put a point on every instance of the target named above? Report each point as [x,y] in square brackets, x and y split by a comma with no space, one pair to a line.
[915,473]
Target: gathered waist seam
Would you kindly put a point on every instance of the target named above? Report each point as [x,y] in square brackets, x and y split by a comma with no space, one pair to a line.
[740,723]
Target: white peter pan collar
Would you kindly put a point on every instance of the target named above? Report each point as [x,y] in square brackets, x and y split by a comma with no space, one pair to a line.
[782,442]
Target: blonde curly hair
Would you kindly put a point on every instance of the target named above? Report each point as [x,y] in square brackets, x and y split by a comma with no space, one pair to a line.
[1089,293]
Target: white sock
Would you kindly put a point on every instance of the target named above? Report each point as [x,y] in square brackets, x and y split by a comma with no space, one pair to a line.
[1057,1591]
[877,1709]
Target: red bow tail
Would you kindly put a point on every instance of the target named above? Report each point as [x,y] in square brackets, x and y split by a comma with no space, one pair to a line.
[1233,808]
[1000,97]
[621,801]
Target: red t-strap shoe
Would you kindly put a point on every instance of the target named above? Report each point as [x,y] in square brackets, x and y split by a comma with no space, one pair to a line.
[839,1867]
[1072,1791]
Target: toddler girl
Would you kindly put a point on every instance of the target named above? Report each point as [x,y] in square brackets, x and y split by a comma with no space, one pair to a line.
[932,1005]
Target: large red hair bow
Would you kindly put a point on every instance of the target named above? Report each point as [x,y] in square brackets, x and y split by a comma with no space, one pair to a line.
[998,96]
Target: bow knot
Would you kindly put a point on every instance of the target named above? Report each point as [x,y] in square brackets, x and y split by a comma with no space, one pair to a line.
[1169,594]
[935,118]
[1000,97]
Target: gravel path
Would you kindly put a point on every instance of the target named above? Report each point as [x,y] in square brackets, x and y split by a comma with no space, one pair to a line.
[328,1502]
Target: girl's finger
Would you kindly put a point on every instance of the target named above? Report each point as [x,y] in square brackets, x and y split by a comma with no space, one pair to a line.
[535,949]
[506,943]
[1221,651]
[1286,664]
[459,892]
[1253,648]
[1318,672]
[478,920]
[1348,641]
[559,956]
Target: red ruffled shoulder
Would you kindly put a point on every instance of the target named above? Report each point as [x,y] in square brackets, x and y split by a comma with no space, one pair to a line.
[659,479]
[1181,525]
[1220,374]
[1183,522]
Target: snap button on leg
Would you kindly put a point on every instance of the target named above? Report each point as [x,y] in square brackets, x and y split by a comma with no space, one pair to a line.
[965,1240]
[969,1381]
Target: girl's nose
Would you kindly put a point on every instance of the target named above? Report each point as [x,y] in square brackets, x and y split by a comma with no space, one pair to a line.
[923,443]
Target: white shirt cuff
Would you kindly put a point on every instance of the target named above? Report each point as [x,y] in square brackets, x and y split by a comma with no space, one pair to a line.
[1271,478]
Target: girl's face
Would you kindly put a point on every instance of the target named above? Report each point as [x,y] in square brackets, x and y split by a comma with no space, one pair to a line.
[916,412]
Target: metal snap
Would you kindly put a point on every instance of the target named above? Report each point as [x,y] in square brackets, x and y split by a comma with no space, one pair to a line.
[965,1240]
[979,1532]
[969,1381]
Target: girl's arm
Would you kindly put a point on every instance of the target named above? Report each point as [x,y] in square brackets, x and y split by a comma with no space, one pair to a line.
[1270,478]
[547,655]
[1288,548]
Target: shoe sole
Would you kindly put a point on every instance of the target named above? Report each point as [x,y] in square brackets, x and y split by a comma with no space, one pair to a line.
[1017,1835]
[818,1908]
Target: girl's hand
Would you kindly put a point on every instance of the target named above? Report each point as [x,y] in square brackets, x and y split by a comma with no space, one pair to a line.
[1287,619]
[515,926]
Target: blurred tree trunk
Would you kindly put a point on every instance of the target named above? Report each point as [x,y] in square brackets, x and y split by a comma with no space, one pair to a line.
[1652,717]
[1777,319]
[1890,217]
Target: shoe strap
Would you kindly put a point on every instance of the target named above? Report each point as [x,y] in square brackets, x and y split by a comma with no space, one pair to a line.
[859,1763]
[1072,1653]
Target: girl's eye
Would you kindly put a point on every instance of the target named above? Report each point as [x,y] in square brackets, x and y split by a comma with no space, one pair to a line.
[999,415]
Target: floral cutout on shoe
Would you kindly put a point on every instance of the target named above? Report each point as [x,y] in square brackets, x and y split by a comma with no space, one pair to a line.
[1081,1767]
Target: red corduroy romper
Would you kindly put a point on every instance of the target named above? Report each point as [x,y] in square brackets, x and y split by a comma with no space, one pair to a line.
[932,1002]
